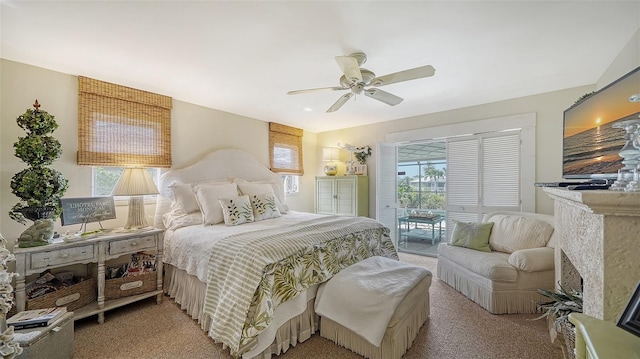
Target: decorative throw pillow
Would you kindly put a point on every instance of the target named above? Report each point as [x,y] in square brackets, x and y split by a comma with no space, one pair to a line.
[264,206]
[472,235]
[236,210]
[208,197]
[251,188]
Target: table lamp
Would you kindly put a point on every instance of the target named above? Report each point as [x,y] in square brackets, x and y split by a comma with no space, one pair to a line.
[135,182]
[330,155]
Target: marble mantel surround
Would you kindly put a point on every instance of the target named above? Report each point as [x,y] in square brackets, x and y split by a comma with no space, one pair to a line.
[600,242]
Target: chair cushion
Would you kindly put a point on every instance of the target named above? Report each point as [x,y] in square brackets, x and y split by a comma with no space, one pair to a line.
[491,265]
[533,260]
[512,232]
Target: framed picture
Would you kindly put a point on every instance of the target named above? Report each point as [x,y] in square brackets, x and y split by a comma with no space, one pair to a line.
[630,318]
[87,209]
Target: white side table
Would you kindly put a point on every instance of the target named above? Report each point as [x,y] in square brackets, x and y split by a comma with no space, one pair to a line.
[94,250]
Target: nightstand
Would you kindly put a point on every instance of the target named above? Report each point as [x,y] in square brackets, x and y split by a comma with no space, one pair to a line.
[90,251]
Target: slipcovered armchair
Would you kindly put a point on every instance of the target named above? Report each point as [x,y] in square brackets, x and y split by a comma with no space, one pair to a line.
[501,262]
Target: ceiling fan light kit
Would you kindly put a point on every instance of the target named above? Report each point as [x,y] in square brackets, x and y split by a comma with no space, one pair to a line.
[356,79]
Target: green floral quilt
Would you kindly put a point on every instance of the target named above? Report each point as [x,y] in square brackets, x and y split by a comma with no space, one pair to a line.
[250,274]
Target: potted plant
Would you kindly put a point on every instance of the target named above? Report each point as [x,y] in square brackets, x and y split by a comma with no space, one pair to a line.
[563,302]
[362,153]
[38,186]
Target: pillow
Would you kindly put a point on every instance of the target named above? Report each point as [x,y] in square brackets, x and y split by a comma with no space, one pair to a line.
[513,232]
[208,197]
[183,199]
[174,220]
[264,206]
[533,260]
[237,210]
[471,235]
[253,188]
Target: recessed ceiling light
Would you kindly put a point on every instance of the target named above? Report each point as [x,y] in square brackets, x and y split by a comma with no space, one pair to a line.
[308,109]
[634,98]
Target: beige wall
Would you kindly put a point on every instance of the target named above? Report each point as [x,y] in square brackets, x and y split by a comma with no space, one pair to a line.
[627,60]
[196,130]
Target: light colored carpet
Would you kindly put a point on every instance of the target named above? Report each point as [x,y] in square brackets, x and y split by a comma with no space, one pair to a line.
[457,328]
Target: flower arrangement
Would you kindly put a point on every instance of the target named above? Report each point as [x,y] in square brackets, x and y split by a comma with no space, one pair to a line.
[8,348]
[362,153]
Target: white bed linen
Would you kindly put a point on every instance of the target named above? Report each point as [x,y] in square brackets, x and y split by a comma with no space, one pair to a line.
[189,248]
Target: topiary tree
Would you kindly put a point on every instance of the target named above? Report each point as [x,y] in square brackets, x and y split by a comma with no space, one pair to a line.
[38,187]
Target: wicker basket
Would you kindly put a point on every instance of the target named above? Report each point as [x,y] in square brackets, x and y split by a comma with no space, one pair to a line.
[73,297]
[569,334]
[127,286]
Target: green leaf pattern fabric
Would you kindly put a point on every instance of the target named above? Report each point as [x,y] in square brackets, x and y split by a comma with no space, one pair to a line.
[264,206]
[279,264]
[237,210]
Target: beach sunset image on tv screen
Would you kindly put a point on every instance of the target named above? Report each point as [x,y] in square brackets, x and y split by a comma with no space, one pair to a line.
[590,142]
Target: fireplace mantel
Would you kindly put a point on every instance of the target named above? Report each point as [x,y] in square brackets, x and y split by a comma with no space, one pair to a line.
[599,243]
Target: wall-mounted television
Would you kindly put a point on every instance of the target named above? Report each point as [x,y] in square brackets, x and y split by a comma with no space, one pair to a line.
[590,143]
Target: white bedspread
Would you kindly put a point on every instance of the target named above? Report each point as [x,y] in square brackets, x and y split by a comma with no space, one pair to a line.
[194,257]
[364,296]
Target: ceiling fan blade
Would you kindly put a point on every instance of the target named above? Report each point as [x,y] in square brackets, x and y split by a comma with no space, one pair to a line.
[350,68]
[341,101]
[317,90]
[383,96]
[406,75]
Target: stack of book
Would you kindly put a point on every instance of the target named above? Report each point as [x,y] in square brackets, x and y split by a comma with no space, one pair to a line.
[36,318]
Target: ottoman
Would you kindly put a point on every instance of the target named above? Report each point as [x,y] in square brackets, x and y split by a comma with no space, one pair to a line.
[349,306]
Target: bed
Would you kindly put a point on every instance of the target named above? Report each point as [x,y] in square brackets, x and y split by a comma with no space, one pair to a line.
[251,284]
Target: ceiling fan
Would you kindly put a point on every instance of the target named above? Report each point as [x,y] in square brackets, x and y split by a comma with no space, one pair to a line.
[359,80]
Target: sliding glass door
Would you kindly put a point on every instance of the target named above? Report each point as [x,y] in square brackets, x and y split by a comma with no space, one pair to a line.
[490,166]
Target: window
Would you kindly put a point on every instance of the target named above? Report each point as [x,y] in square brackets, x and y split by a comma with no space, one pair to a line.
[121,126]
[285,149]
[105,179]
[290,184]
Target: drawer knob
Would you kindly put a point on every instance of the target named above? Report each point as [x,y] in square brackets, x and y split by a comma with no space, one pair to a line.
[133,244]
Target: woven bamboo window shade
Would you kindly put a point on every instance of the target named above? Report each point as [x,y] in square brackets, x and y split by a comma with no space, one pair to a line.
[121,126]
[285,149]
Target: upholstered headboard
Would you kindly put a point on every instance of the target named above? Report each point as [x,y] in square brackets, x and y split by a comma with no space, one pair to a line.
[220,165]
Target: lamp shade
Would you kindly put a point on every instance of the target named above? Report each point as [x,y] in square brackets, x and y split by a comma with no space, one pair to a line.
[330,154]
[135,182]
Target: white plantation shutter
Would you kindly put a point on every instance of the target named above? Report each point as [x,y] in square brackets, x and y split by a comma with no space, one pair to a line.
[483,175]
[462,174]
[387,188]
[501,172]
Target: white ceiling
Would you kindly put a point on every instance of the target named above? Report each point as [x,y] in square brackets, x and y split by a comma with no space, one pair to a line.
[243,56]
